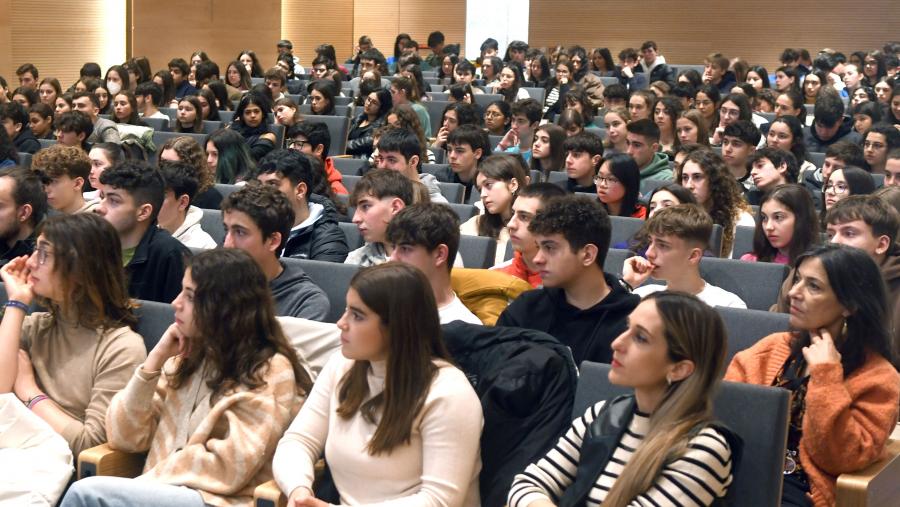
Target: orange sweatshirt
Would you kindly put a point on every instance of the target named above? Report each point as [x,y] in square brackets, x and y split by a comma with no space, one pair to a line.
[847,420]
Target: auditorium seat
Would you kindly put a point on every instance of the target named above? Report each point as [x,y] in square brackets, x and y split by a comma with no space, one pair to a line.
[484,99]
[211,222]
[746,327]
[435,110]
[338,127]
[348,166]
[464,211]
[351,234]
[211,126]
[332,277]
[306,110]
[153,320]
[158,124]
[743,241]
[226,189]
[477,251]
[536,94]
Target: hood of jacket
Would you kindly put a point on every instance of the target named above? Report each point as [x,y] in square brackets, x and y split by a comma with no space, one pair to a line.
[192,218]
[659,164]
[660,60]
[844,129]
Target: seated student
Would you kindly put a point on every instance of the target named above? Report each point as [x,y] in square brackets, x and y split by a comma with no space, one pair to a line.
[843,183]
[836,363]
[64,170]
[186,149]
[787,226]
[528,203]
[526,114]
[378,196]
[403,91]
[231,384]
[739,141]
[618,184]
[131,195]
[584,153]
[40,119]
[671,352]
[877,142]
[829,123]
[189,116]
[892,169]
[81,351]
[14,118]
[399,150]
[419,448]
[500,176]
[580,305]
[73,128]
[770,167]
[837,156]
[705,174]
[547,152]
[869,223]
[642,143]
[315,140]
[179,69]
[105,131]
[250,122]
[35,461]
[377,104]
[671,194]
[276,80]
[178,215]
[314,233]
[678,237]
[467,146]
[258,219]
[427,236]
[616,122]
[148,95]
[24,202]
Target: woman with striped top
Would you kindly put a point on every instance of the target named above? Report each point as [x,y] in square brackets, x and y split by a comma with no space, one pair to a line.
[665,450]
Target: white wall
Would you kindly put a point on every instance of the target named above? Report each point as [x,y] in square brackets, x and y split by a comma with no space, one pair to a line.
[504,20]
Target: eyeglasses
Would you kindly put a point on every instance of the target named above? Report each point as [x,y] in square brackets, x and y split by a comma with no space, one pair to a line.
[43,254]
[374,102]
[733,113]
[297,143]
[606,180]
[837,188]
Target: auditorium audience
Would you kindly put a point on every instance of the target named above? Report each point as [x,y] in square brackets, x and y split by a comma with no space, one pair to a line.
[64,171]
[786,226]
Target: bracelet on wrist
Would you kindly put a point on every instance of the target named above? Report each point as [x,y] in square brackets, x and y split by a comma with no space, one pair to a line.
[12,303]
[625,285]
[37,399]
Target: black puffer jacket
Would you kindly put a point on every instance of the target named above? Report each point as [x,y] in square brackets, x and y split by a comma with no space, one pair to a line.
[526,381]
[321,240]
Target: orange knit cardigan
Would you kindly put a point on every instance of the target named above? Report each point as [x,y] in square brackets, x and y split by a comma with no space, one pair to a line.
[847,420]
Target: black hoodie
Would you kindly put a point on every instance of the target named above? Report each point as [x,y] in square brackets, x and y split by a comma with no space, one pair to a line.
[322,240]
[845,133]
[26,142]
[589,333]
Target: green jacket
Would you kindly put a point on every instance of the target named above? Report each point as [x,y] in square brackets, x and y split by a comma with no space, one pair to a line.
[658,168]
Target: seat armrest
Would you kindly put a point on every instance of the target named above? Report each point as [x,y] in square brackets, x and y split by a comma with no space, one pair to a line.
[106,461]
[877,484]
[268,494]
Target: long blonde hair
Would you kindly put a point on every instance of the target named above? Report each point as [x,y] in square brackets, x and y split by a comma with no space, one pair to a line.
[696,332]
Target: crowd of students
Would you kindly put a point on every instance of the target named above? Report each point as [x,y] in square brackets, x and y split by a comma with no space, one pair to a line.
[227,400]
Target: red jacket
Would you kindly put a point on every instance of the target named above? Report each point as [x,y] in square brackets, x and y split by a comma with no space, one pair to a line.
[519,269]
[334,177]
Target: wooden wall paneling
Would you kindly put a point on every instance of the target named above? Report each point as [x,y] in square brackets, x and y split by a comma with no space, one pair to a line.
[58,44]
[418,18]
[165,29]
[686,33]
[308,23]
[380,20]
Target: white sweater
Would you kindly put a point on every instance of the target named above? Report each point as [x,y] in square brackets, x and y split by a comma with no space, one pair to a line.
[439,467]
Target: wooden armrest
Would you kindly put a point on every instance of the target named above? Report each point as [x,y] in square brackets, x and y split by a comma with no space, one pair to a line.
[268,494]
[103,460]
[341,156]
[877,484]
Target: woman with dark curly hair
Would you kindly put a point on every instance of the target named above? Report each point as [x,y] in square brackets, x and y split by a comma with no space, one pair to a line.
[705,174]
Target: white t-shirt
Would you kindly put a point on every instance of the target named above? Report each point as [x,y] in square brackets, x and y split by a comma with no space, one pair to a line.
[711,295]
[456,310]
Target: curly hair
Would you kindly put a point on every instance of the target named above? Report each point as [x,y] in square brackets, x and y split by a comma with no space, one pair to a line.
[238,333]
[580,220]
[60,160]
[726,201]
[190,152]
[267,206]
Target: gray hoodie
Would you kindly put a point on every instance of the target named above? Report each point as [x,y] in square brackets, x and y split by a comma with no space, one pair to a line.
[297,296]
